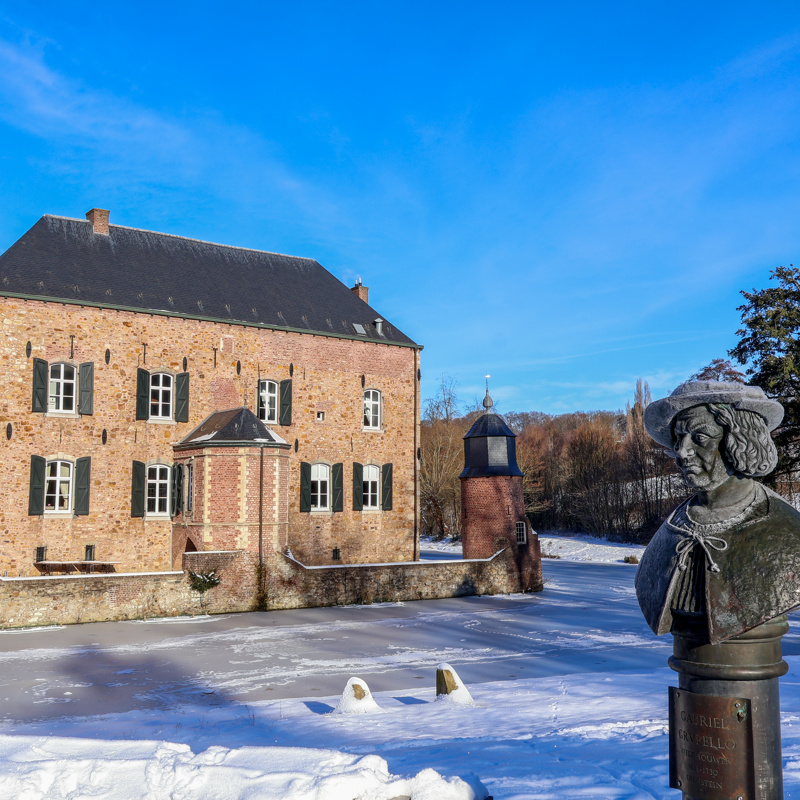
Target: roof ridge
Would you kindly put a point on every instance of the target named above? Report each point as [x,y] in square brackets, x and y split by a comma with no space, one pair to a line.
[188,239]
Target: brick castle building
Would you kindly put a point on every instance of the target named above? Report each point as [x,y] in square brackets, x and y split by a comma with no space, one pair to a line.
[166,395]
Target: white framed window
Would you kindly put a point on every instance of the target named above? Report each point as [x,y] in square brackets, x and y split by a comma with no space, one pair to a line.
[371,483]
[157,502]
[268,401]
[160,395]
[58,486]
[522,533]
[320,487]
[372,410]
[61,393]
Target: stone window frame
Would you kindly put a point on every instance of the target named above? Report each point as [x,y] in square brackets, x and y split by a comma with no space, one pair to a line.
[162,417]
[60,382]
[59,459]
[376,506]
[325,467]
[522,532]
[262,406]
[371,404]
[167,482]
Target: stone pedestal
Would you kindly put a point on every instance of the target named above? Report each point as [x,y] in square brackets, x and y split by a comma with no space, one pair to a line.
[725,734]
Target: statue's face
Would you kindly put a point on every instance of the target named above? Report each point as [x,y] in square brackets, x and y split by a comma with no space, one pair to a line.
[698,449]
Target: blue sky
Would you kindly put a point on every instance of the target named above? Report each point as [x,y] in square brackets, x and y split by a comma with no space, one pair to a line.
[568,196]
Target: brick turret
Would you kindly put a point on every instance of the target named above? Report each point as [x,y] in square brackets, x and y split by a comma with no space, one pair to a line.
[492,504]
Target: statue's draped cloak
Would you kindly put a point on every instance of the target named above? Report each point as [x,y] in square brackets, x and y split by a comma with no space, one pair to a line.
[758,575]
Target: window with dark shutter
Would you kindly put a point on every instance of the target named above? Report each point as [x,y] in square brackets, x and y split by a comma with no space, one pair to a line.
[86,388]
[305,486]
[39,401]
[358,482]
[182,397]
[36,487]
[337,491]
[176,492]
[286,402]
[386,487]
[137,489]
[142,394]
[83,477]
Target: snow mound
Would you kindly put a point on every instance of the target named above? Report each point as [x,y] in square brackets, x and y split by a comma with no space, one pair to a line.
[44,767]
[356,699]
[450,688]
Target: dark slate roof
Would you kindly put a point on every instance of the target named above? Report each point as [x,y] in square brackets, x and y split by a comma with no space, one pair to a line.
[63,259]
[489,425]
[234,426]
[490,449]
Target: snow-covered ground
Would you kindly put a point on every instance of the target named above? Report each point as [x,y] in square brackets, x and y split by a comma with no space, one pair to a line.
[572,547]
[569,690]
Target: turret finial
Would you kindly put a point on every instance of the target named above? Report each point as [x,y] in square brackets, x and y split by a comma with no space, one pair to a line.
[487,401]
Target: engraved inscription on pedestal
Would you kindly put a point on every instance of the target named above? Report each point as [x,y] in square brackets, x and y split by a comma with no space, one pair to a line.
[710,746]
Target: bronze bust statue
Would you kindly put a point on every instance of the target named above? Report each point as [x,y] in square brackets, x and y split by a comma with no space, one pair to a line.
[728,558]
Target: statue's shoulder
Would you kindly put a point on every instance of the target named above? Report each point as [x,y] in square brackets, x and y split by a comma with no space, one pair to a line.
[785,515]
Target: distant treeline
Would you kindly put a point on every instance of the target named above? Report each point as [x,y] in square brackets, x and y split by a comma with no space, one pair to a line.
[597,472]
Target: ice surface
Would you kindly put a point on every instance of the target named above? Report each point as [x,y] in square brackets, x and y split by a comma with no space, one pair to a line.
[570,691]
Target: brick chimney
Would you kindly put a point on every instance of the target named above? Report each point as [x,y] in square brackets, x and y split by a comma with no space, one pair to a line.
[361,291]
[99,219]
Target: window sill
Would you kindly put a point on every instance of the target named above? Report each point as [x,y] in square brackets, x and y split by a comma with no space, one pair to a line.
[371,510]
[158,421]
[323,511]
[58,514]
[156,517]
[372,430]
[62,414]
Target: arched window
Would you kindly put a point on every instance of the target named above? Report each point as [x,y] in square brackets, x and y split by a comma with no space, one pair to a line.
[372,410]
[160,395]
[58,486]
[268,401]
[320,487]
[158,489]
[61,395]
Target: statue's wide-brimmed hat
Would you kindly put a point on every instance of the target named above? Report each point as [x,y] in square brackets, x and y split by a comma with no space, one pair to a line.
[658,416]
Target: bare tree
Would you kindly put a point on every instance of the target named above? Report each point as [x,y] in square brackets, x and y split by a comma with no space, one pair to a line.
[442,461]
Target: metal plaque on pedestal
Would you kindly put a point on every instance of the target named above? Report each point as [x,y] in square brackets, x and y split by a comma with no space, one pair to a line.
[710,746]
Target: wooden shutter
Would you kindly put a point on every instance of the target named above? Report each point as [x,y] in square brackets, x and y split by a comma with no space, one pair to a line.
[285,415]
[83,477]
[36,488]
[176,491]
[305,486]
[39,402]
[137,489]
[142,395]
[86,388]
[182,397]
[337,479]
[386,487]
[358,487]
